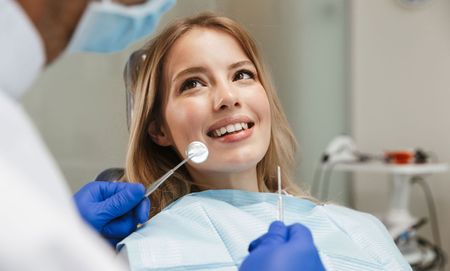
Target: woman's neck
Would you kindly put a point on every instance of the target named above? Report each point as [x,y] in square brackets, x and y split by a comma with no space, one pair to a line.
[245,180]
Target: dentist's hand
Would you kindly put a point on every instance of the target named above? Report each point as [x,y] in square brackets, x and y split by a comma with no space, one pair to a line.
[283,248]
[113,208]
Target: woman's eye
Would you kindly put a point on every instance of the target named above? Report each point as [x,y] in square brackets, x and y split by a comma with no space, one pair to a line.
[189,84]
[243,74]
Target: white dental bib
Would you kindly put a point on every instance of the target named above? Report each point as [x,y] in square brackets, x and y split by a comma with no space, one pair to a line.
[211,230]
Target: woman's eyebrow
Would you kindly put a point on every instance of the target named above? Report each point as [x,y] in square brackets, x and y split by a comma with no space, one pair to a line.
[240,64]
[200,69]
[188,71]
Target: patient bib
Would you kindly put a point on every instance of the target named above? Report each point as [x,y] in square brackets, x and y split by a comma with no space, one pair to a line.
[211,230]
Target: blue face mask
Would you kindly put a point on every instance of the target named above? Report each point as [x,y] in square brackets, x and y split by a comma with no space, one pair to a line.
[108,27]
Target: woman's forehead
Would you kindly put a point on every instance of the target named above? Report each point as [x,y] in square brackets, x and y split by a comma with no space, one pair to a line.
[202,46]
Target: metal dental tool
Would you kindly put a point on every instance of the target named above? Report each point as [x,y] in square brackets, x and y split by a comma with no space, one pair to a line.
[196,151]
[280,198]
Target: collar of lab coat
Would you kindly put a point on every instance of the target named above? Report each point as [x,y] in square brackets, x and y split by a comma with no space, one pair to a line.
[21,50]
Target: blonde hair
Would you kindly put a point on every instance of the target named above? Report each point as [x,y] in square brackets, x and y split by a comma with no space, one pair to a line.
[147,161]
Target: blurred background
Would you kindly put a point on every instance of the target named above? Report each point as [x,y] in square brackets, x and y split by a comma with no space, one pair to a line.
[375,70]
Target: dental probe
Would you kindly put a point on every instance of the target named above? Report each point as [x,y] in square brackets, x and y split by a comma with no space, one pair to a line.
[280,198]
[196,151]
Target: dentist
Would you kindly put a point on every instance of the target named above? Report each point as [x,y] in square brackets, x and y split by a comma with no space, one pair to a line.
[40,223]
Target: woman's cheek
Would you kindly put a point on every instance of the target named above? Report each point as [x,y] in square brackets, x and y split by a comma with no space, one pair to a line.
[192,110]
[260,102]
[185,116]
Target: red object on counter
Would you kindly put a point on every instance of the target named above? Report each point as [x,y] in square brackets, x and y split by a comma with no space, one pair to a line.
[400,157]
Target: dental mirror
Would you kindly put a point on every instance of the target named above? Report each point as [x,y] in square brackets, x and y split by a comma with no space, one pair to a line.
[196,151]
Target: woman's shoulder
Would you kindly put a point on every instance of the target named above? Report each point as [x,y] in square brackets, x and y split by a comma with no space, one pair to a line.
[352,218]
[189,213]
[186,233]
[369,233]
[187,201]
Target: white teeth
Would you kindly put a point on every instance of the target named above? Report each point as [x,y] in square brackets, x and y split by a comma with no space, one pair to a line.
[237,127]
[230,128]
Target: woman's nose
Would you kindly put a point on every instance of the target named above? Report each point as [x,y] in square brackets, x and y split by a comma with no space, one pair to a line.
[226,97]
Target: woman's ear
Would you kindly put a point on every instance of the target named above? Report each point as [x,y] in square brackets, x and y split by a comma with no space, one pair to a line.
[158,135]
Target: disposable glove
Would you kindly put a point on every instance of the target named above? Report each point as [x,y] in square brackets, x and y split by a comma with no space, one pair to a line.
[283,248]
[114,209]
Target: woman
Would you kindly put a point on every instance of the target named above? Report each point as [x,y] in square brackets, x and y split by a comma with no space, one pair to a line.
[202,79]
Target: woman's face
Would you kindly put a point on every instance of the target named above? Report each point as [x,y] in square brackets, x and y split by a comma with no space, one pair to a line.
[213,95]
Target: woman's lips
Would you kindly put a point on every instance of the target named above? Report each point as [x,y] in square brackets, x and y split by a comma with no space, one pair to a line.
[229,129]
[230,120]
[236,136]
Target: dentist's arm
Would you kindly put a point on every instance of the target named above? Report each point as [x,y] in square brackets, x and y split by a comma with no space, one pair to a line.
[283,248]
[113,208]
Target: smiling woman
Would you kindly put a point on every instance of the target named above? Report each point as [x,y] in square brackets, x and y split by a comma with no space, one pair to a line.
[202,79]
[209,78]
[213,86]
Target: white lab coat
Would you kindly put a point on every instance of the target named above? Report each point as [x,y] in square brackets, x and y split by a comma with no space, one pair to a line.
[39,226]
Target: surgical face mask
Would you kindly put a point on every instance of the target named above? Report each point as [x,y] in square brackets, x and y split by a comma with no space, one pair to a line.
[22,53]
[108,27]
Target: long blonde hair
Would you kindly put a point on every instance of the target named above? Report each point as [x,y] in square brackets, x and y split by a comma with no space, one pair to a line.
[147,161]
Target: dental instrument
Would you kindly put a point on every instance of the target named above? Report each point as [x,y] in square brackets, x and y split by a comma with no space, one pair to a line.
[196,151]
[280,198]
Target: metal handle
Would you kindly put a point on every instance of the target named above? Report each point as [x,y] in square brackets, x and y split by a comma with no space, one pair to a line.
[158,182]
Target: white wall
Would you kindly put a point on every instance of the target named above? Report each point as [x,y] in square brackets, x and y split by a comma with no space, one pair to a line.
[401,95]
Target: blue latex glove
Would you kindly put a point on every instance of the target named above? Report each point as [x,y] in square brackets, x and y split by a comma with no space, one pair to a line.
[113,208]
[283,248]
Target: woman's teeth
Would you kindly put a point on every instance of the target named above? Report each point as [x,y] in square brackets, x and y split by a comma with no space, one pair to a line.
[230,128]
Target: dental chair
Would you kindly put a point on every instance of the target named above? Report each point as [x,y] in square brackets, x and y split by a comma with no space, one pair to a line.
[110,175]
